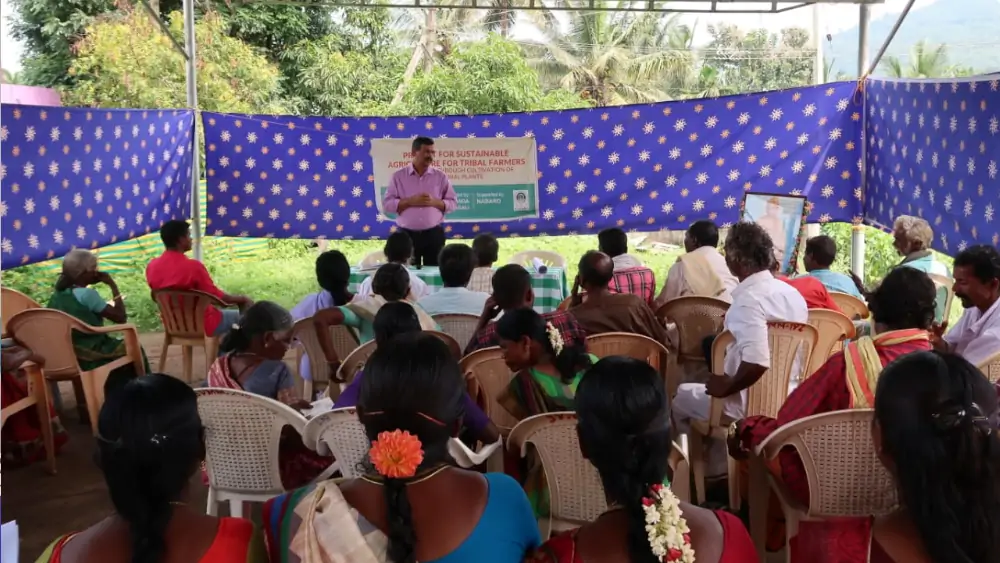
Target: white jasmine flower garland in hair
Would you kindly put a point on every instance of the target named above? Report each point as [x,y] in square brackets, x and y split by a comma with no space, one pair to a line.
[668,532]
[555,338]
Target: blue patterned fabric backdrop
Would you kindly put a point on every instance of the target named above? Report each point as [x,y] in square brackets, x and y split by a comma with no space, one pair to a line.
[934,151]
[643,167]
[86,178]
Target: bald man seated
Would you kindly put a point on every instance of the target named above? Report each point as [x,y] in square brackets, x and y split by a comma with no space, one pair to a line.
[598,310]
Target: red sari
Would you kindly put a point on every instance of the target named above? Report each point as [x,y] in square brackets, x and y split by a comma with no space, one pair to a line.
[831,388]
[22,432]
[737,547]
[299,465]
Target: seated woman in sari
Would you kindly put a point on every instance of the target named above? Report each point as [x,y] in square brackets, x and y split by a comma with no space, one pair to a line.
[903,309]
[150,443]
[624,429]
[935,431]
[413,504]
[252,361]
[546,370]
[333,274]
[22,431]
[390,283]
[392,320]
[74,296]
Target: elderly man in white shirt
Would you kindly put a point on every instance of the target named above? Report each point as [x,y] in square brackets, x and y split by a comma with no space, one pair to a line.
[702,272]
[456,262]
[758,299]
[976,337]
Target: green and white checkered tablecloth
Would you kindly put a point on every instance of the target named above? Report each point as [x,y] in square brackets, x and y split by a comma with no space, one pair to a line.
[550,288]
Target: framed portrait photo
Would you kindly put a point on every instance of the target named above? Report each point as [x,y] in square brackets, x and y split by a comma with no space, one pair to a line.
[783,217]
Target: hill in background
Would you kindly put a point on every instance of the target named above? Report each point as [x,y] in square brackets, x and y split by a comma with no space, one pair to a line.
[970,29]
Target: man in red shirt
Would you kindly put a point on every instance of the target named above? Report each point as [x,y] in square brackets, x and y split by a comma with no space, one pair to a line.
[173,270]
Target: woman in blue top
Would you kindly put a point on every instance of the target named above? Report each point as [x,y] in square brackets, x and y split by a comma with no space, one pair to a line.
[412,504]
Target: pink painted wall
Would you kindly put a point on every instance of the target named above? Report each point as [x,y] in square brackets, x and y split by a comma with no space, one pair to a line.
[29,95]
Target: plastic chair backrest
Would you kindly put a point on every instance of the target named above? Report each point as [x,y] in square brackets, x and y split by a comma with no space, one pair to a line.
[945,294]
[49,333]
[575,490]
[832,327]
[789,342]
[341,432]
[13,302]
[456,350]
[355,362]
[991,368]
[550,259]
[630,345]
[850,305]
[487,376]
[846,478]
[183,312]
[344,342]
[461,327]
[696,318]
[373,259]
[242,433]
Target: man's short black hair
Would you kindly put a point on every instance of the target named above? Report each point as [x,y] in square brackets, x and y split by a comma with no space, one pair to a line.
[823,250]
[173,231]
[906,298]
[613,242]
[596,269]
[487,249]
[455,263]
[420,142]
[510,284]
[704,233]
[983,260]
[398,247]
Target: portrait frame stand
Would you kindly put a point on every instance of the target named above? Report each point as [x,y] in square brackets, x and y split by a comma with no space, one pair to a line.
[783,216]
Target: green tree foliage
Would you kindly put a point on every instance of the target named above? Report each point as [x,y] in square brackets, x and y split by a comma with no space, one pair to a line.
[331,79]
[924,61]
[613,58]
[880,255]
[488,76]
[757,60]
[49,28]
[125,61]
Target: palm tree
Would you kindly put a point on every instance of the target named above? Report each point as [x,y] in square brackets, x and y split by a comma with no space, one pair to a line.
[615,57]
[924,62]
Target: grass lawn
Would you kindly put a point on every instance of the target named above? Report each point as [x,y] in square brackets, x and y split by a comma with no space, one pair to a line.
[285,272]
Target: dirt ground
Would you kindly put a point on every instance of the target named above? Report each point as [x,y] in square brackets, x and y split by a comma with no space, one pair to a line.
[47,506]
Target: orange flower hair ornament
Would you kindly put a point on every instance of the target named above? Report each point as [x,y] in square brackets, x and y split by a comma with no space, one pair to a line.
[396,454]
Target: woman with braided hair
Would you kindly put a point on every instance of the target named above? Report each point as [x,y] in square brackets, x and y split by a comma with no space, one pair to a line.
[412,503]
[624,430]
[150,443]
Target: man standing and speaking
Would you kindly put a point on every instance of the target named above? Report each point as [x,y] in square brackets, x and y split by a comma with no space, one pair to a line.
[420,195]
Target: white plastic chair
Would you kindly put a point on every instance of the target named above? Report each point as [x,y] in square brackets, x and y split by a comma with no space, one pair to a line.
[945,294]
[242,434]
[461,327]
[373,259]
[991,368]
[550,259]
[340,433]
[344,342]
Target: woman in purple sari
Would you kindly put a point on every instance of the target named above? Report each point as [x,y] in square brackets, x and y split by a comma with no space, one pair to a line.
[333,273]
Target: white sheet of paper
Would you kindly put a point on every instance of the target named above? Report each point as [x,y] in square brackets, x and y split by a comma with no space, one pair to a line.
[319,407]
[9,542]
[467,458]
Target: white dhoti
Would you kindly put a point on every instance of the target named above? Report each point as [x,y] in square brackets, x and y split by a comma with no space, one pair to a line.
[692,402]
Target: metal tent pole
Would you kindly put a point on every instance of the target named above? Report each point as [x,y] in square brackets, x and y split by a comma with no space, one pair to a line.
[192,101]
[892,35]
[857,233]
[819,65]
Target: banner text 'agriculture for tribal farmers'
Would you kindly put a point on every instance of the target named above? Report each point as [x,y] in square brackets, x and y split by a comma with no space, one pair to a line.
[495,179]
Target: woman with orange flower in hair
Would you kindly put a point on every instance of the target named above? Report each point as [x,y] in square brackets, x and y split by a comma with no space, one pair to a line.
[411,406]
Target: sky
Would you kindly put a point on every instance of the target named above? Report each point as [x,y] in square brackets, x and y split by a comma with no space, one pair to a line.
[834,18]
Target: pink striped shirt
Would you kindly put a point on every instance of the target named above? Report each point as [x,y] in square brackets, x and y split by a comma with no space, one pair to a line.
[407,183]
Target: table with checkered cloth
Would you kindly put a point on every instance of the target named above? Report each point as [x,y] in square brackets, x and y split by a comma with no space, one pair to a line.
[550,288]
